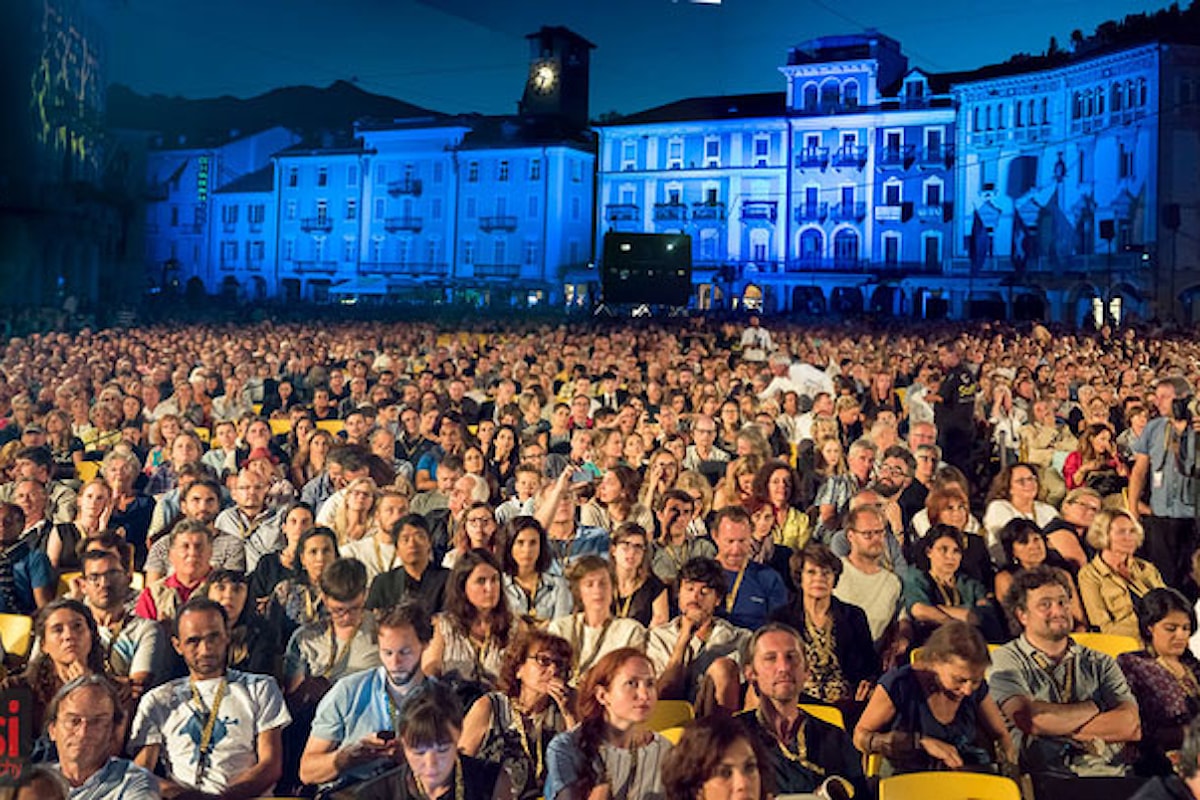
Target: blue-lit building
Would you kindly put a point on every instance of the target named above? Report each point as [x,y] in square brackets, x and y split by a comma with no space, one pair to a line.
[836,193]
[1081,180]
[431,208]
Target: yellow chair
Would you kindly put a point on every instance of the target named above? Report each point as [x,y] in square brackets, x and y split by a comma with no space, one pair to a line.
[64,582]
[16,632]
[830,714]
[204,433]
[334,426]
[1112,644]
[670,714]
[257,408]
[948,786]
[916,654]
[673,735]
[137,581]
[87,470]
[280,426]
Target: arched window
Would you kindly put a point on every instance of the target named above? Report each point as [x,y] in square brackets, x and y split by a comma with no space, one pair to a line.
[830,95]
[845,248]
[812,245]
[810,97]
[850,94]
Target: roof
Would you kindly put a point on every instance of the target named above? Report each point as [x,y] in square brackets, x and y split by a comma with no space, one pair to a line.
[490,132]
[717,107]
[262,180]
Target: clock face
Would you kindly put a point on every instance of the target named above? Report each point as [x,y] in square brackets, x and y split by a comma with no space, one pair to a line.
[544,77]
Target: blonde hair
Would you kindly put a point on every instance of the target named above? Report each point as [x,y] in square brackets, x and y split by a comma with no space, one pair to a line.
[1098,535]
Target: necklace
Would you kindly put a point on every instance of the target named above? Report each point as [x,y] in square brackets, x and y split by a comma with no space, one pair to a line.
[1182,675]
[535,753]
[731,599]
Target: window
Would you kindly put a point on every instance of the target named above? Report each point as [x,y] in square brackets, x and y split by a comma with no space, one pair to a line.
[322,211]
[290,212]
[933,250]
[288,249]
[1018,115]
[576,209]
[256,213]
[534,204]
[376,249]
[469,208]
[675,195]
[351,209]
[322,176]
[891,249]
[293,177]
[175,215]
[675,154]
[350,249]
[380,208]
[759,250]
[850,94]
[535,169]
[435,208]
[1124,162]
[627,195]
[438,171]
[352,175]
[933,142]
[502,171]
[229,214]
[891,194]
[975,119]
[468,251]
[712,151]
[473,172]
[810,97]
[499,251]
[228,253]
[628,155]
[318,248]
[380,174]
[404,250]
[433,251]
[255,252]
[530,257]
[1115,97]
[576,172]
[933,193]
[847,197]
[711,196]
[812,141]
[762,150]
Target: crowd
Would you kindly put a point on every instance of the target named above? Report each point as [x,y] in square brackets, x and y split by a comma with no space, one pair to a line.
[368,560]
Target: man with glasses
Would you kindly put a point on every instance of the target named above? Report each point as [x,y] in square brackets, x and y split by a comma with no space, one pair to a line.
[345,745]
[866,583]
[703,447]
[217,731]
[131,645]
[84,719]
[256,524]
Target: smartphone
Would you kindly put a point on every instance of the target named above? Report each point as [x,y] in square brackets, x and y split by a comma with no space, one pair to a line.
[385,736]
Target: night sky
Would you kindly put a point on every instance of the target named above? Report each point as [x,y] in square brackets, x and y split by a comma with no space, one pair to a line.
[470,55]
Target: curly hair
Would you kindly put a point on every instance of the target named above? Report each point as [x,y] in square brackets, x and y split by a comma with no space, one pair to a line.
[41,675]
[531,642]
[761,490]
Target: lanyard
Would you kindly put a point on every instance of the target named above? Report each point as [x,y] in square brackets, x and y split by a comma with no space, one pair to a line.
[534,753]
[582,664]
[1065,687]
[459,789]
[379,557]
[623,607]
[800,754]
[206,734]
[731,598]
[114,631]
[337,655]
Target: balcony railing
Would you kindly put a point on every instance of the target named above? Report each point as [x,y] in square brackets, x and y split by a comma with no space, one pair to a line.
[847,264]
[622,212]
[499,222]
[310,224]
[509,271]
[708,212]
[404,186]
[896,157]
[315,266]
[851,155]
[396,224]
[813,157]
[938,156]
[401,268]
[889,213]
[935,212]
[812,212]
[670,212]
[759,210]
[849,212]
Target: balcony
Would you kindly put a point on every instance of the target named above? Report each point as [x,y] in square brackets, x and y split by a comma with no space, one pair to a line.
[498,223]
[849,212]
[409,186]
[933,212]
[896,157]
[759,211]
[811,157]
[256,227]
[812,212]
[859,266]
[889,213]
[937,157]
[328,267]
[851,155]
[397,224]
[622,212]
[228,227]
[311,224]
[401,268]
[670,212]
[708,212]
[504,271]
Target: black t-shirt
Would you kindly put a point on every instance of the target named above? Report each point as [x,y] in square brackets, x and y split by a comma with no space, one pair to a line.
[958,392]
[394,587]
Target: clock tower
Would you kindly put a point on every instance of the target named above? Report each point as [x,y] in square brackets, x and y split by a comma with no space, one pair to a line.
[557,83]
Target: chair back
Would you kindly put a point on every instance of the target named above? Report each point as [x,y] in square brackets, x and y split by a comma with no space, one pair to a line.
[948,786]
[16,632]
[830,714]
[670,714]
[1113,644]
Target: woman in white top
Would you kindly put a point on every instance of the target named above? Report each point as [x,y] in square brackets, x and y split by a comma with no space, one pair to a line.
[470,635]
[1014,494]
[594,630]
[616,501]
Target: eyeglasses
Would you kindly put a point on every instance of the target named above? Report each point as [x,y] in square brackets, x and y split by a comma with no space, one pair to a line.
[633,545]
[545,661]
[706,430]
[97,578]
[344,611]
[479,520]
[74,722]
[876,533]
[1092,507]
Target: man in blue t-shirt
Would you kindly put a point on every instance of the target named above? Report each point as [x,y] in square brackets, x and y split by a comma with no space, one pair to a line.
[755,590]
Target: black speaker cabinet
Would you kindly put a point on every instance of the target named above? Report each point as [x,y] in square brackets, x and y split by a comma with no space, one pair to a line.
[650,268]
